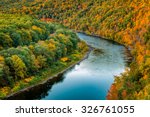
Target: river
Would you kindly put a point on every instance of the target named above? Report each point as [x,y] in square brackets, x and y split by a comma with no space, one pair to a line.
[91,78]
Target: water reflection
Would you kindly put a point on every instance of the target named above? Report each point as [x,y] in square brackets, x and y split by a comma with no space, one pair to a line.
[92,78]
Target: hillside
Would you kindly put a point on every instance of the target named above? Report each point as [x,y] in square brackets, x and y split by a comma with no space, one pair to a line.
[127,22]
[31,50]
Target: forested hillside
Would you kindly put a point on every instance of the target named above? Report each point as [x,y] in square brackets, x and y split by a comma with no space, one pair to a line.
[127,22]
[29,48]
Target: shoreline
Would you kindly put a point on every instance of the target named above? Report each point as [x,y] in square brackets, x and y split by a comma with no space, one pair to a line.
[127,51]
[22,94]
[97,36]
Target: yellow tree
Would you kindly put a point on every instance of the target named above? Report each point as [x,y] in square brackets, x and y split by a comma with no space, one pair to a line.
[18,66]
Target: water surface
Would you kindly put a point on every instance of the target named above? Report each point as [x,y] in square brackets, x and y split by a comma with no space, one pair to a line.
[92,78]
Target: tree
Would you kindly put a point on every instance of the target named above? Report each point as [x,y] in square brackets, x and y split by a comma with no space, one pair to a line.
[16,39]
[18,66]
[5,40]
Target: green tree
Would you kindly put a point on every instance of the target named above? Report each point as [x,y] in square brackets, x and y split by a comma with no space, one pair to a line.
[5,40]
[18,66]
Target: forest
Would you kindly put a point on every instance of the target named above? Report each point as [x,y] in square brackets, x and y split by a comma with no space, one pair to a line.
[127,22]
[28,47]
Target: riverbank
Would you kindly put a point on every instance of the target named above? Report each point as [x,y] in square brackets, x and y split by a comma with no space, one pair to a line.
[26,92]
[97,36]
[128,56]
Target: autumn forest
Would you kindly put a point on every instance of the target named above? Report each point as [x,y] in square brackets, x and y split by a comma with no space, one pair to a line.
[38,39]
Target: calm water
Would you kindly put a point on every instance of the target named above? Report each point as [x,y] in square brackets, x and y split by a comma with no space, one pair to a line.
[92,78]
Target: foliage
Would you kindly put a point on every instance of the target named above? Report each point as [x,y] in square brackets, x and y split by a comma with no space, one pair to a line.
[19,30]
[126,22]
[34,46]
